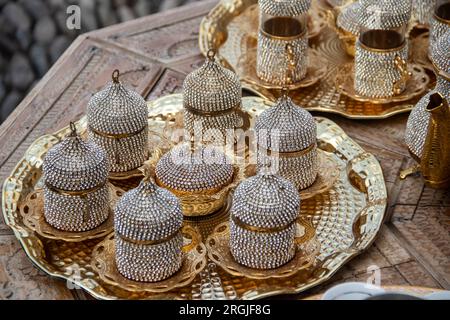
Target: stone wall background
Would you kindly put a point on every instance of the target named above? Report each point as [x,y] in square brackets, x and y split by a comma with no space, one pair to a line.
[33,34]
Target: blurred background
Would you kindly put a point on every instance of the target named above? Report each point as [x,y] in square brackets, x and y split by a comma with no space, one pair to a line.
[33,34]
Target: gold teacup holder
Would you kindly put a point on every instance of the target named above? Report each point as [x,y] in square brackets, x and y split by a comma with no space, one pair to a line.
[32,212]
[307,250]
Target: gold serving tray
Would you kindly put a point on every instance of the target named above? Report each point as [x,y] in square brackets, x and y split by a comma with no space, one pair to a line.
[230,29]
[346,218]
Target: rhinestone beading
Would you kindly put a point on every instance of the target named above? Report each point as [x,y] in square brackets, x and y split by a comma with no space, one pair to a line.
[418,120]
[211,97]
[264,201]
[148,213]
[348,18]
[288,128]
[384,14]
[376,72]
[284,8]
[272,63]
[438,29]
[117,121]
[205,169]
[70,169]
[422,11]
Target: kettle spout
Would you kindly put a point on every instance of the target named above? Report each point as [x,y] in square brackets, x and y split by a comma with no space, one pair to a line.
[435,161]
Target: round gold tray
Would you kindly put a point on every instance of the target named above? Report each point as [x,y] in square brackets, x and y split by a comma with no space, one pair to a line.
[346,218]
[225,30]
[194,260]
[307,250]
[32,212]
[415,86]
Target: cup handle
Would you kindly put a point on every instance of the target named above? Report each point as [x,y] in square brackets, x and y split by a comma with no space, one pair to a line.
[290,56]
[193,234]
[405,75]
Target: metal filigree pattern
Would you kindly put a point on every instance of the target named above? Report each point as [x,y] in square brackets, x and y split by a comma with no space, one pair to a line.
[306,249]
[346,218]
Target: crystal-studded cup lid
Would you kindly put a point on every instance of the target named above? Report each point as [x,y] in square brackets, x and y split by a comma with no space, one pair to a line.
[117,109]
[148,213]
[384,14]
[440,54]
[75,165]
[203,169]
[266,200]
[348,18]
[285,8]
[285,127]
[211,88]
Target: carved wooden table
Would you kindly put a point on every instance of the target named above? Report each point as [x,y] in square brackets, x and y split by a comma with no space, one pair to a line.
[154,55]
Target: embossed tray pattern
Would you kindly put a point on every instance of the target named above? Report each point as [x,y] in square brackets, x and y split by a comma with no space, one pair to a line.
[347,217]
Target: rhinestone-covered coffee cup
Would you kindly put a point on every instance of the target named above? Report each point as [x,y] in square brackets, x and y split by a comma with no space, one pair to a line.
[148,237]
[287,140]
[117,122]
[262,221]
[381,56]
[76,195]
[282,53]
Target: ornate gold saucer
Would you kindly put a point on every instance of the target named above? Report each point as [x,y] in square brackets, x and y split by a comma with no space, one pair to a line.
[246,69]
[225,30]
[32,212]
[346,218]
[415,86]
[326,177]
[307,250]
[194,260]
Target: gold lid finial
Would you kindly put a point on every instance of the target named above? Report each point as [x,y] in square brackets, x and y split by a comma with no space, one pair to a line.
[73,129]
[211,54]
[115,76]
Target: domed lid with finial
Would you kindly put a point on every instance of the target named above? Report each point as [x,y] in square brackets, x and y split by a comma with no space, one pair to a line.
[348,18]
[266,200]
[284,8]
[440,54]
[384,14]
[211,88]
[116,109]
[285,127]
[148,212]
[189,168]
[75,165]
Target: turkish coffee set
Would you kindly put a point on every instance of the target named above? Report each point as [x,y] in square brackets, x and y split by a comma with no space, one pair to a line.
[114,205]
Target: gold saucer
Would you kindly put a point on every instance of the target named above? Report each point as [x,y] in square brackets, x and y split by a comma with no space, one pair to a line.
[32,212]
[308,247]
[246,70]
[415,86]
[326,177]
[194,260]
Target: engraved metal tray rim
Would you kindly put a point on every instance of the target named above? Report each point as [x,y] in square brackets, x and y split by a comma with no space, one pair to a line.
[33,158]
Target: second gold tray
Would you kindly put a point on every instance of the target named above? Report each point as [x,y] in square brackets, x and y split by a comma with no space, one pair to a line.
[231,29]
[346,217]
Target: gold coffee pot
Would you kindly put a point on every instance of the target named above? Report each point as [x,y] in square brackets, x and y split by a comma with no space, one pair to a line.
[435,161]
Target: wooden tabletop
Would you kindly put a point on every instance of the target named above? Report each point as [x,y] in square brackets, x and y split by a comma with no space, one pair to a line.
[154,55]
